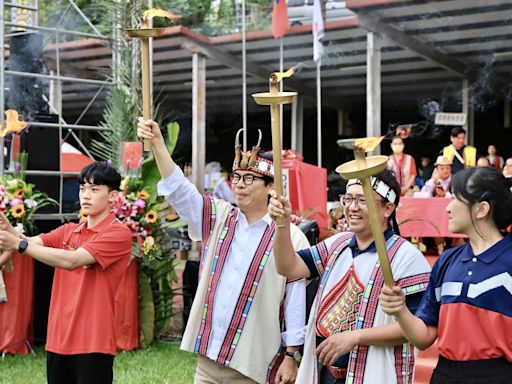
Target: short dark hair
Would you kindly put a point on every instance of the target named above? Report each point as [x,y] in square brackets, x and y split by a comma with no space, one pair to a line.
[456,131]
[474,185]
[101,173]
[388,177]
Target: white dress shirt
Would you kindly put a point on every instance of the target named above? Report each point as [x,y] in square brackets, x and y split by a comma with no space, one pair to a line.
[188,203]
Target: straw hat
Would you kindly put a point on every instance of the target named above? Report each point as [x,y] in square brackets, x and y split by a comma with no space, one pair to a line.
[442,160]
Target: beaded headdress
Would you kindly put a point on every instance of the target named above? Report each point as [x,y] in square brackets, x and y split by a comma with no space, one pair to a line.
[249,160]
[378,186]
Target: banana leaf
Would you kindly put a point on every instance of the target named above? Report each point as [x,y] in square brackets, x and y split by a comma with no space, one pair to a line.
[150,173]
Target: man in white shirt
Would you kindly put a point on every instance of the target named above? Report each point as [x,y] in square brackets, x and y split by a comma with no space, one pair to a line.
[235,322]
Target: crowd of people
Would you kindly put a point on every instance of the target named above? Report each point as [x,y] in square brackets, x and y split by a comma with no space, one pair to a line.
[248,319]
[434,180]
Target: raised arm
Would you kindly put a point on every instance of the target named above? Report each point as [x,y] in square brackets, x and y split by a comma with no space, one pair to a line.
[178,191]
[392,301]
[288,262]
[149,129]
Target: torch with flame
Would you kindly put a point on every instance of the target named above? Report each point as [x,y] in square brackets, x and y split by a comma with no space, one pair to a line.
[144,34]
[274,98]
[12,123]
[363,168]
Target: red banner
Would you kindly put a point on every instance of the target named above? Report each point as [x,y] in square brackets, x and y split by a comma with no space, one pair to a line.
[280,23]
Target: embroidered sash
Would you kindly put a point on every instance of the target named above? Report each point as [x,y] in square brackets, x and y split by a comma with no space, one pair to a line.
[219,259]
[357,362]
[209,218]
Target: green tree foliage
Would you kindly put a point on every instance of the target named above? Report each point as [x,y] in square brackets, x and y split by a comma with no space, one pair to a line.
[124,100]
[209,17]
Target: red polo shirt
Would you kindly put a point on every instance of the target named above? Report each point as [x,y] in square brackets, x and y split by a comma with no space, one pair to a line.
[81,318]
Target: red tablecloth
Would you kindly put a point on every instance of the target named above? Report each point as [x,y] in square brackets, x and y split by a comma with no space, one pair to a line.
[16,313]
[424,217]
[127,310]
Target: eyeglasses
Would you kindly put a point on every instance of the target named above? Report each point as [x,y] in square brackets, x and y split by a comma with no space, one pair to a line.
[247,178]
[360,200]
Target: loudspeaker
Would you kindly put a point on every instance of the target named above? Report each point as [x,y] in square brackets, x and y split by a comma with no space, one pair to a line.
[43,279]
[42,146]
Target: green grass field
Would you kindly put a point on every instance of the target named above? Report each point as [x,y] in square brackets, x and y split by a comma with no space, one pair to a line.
[162,363]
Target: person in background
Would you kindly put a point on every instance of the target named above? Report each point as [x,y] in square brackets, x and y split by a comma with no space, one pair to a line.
[222,190]
[90,259]
[468,303]
[483,162]
[439,184]
[494,159]
[424,171]
[461,155]
[402,165]
[235,323]
[349,339]
[507,168]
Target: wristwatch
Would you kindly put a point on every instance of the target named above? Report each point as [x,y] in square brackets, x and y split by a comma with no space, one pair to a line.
[22,247]
[295,356]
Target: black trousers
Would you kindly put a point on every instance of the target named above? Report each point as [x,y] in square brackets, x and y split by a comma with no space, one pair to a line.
[89,368]
[492,371]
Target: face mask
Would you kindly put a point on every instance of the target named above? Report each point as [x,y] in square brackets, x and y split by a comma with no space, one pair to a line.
[397,148]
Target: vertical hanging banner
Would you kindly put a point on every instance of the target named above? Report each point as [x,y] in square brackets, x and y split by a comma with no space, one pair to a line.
[318,31]
[280,23]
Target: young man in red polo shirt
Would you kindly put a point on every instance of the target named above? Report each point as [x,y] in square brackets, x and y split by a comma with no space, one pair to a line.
[89,259]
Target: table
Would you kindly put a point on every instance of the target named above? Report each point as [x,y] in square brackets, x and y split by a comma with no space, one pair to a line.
[424,217]
[16,313]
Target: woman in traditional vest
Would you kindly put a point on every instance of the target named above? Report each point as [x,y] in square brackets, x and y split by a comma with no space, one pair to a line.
[402,165]
[494,159]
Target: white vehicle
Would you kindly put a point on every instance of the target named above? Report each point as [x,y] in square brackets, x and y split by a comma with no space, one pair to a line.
[300,12]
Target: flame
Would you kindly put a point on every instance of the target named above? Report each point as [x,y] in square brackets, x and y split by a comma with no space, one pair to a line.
[12,123]
[367,143]
[157,12]
[278,76]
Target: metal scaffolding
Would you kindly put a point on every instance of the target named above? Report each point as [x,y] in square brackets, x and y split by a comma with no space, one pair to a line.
[57,35]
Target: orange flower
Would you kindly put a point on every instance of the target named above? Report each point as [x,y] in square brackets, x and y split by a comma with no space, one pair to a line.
[19,194]
[18,211]
[151,216]
[143,195]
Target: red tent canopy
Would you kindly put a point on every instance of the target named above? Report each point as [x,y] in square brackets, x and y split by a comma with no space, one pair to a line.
[72,160]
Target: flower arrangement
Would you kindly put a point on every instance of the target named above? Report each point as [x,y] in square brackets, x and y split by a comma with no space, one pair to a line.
[136,208]
[19,200]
